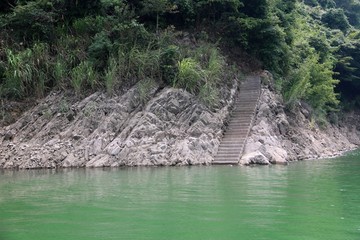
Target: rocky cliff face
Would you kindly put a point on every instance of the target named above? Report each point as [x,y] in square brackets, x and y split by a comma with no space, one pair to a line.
[173,128]
[280,136]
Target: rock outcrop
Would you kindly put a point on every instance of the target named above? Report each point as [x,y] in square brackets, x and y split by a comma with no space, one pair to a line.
[280,136]
[173,128]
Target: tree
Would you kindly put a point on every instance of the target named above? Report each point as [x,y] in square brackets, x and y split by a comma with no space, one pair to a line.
[156,6]
[335,18]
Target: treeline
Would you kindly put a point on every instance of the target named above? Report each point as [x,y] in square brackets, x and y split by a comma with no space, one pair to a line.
[310,46]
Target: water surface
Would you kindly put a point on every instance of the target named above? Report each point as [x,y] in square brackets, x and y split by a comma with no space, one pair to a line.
[311,200]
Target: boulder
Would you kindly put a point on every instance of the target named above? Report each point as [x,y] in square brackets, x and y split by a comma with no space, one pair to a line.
[254,158]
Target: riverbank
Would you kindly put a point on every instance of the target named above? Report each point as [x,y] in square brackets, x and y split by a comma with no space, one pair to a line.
[280,135]
[171,128]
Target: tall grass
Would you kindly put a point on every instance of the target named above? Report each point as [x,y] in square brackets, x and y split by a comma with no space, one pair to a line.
[209,94]
[27,71]
[143,63]
[189,75]
[82,75]
[59,73]
[111,75]
[202,73]
[144,88]
[18,72]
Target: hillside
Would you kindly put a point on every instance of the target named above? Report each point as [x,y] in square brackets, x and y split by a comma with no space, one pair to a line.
[108,49]
[311,47]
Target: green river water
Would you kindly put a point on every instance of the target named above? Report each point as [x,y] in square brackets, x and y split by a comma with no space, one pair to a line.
[310,200]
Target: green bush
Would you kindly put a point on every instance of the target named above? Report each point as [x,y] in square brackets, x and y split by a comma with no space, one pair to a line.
[99,50]
[313,82]
[335,18]
[298,83]
[189,75]
[168,62]
[32,21]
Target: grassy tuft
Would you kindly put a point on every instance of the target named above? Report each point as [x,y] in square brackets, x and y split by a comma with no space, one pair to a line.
[189,75]
[111,75]
[144,89]
[83,74]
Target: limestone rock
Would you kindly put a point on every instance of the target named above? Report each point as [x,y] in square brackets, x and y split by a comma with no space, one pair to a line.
[280,136]
[254,158]
[173,128]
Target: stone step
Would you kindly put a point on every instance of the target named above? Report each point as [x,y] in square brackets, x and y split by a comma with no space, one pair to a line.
[229,153]
[238,127]
[234,127]
[235,135]
[230,148]
[228,156]
[230,132]
[222,157]
[237,123]
[225,162]
[246,114]
[244,109]
[240,120]
[250,94]
[246,100]
[231,145]
[232,141]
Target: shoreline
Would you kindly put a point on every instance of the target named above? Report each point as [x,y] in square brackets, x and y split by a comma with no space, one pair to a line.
[172,129]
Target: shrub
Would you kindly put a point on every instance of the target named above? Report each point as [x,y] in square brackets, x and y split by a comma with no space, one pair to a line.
[168,62]
[99,50]
[313,81]
[298,83]
[32,21]
[335,18]
[189,75]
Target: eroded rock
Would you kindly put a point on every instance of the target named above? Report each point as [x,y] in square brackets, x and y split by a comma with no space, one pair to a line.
[173,128]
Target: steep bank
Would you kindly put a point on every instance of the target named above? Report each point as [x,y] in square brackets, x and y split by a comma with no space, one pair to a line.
[172,128]
[279,135]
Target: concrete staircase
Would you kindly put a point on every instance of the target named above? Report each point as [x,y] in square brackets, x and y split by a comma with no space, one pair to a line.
[234,139]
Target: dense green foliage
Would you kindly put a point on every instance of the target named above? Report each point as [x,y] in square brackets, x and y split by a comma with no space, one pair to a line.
[112,44]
